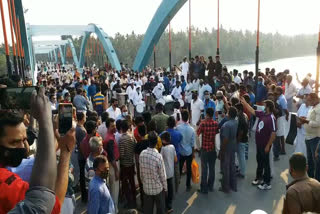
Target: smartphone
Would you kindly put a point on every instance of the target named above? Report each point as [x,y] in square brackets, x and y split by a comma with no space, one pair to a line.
[16,98]
[65,117]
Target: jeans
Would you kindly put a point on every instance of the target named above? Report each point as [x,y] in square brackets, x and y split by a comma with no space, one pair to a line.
[247,151]
[208,160]
[128,185]
[170,193]
[313,164]
[263,169]
[181,162]
[242,157]
[276,147]
[149,201]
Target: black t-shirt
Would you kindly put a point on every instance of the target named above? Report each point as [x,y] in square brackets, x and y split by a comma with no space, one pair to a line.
[243,127]
[142,145]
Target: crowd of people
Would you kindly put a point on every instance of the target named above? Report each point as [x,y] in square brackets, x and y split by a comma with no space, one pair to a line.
[140,132]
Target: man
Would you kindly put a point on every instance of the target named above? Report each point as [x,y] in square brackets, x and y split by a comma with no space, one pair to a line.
[176,92]
[45,179]
[98,100]
[111,147]
[80,102]
[209,103]
[262,92]
[127,145]
[265,135]
[160,118]
[204,86]
[304,91]
[218,68]
[130,92]
[227,152]
[100,201]
[197,107]
[281,121]
[312,127]
[158,90]
[290,92]
[186,147]
[303,194]
[208,128]
[92,89]
[236,78]
[137,98]
[53,102]
[153,176]
[124,113]
[184,66]
[242,139]
[84,151]
[211,70]
[176,138]
[113,110]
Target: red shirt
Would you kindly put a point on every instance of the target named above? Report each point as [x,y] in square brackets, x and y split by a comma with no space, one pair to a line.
[85,147]
[136,135]
[111,148]
[13,190]
[208,128]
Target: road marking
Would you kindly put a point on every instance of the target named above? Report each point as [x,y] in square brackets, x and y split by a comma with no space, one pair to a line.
[190,201]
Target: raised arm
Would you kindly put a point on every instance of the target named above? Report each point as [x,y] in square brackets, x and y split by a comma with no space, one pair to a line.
[44,172]
[247,106]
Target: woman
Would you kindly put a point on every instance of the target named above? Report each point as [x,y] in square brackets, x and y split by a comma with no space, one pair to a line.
[300,145]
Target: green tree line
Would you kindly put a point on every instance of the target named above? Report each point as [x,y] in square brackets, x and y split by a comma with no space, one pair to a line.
[236,46]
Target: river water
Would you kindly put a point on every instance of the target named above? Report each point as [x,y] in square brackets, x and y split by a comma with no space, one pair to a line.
[300,65]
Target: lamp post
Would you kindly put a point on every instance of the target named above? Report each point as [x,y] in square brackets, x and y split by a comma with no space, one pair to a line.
[189,29]
[318,65]
[218,30]
[257,49]
[5,39]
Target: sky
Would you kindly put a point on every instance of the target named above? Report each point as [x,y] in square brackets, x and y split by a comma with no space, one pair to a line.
[288,17]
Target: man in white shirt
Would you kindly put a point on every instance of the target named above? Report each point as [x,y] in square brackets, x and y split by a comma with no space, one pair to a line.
[176,92]
[290,92]
[158,90]
[196,84]
[236,78]
[197,107]
[184,68]
[131,90]
[204,86]
[113,110]
[305,90]
[137,96]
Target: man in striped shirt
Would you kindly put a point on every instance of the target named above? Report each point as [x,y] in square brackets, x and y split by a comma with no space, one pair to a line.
[153,176]
[127,145]
[97,101]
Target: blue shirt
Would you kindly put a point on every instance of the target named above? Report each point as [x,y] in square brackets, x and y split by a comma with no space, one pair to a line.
[86,88]
[252,98]
[176,138]
[166,82]
[80,102]
[100,201]
[262,93]
[24,169]
[210,104]
[283,103]
[183,85]
[92,90]
[188,139]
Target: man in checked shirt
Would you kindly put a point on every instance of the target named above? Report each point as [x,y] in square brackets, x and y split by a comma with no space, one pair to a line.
[208,128]
[153,176]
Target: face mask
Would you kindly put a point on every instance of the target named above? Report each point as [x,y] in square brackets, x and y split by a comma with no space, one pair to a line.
[125,114]
[263,108]
[12,156]
[104,175]
[207,97]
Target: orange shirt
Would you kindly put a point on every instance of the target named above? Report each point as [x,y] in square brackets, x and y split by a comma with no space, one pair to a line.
[13,190]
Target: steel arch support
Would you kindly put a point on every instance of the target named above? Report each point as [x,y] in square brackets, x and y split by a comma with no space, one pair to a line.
[74,53]
[165,12]
[63,60]
[55,55]
[107,46]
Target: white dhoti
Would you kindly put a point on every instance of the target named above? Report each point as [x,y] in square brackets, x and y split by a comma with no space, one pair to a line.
[300,144]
